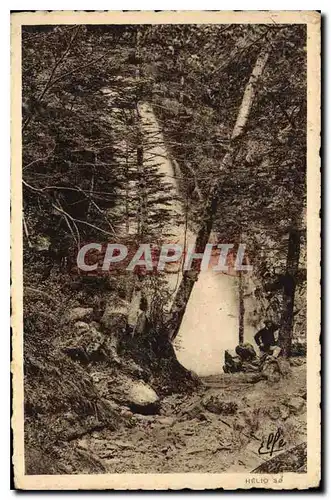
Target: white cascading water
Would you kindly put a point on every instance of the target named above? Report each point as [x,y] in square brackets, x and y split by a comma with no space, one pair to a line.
[210,323]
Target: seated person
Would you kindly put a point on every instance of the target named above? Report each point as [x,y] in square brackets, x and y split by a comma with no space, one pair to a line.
[265,338]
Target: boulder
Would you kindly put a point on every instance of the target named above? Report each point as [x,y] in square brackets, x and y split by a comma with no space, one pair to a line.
[141,398]
[270,369]
[246,352]
[233,362]
[126,413]
[296,405]
[284,366]
[79,314]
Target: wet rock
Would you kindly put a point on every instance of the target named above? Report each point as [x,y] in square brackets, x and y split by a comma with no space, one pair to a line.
[141,398]
[79,314]
[216,404]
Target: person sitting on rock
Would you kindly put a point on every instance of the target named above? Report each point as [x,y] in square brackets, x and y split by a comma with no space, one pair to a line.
[265,339]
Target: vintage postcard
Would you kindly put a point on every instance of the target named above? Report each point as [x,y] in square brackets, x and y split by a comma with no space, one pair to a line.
[166,250]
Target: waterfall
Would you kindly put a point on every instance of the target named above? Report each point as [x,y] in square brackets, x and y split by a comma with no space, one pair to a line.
[210,324]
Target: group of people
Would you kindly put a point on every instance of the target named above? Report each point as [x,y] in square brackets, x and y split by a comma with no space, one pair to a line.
[245,359]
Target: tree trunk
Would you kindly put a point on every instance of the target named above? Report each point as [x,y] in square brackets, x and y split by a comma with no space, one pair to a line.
[141,185]
[190,277]
[181,91]
[127,194]
[241,307]
[292,264]
[140,148]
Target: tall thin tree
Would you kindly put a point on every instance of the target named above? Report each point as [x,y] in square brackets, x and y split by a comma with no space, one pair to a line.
[290,281]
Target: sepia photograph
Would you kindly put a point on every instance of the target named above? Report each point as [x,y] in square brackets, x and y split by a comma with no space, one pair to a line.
[166,250]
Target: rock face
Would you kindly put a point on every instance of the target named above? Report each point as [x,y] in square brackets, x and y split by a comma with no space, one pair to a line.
[141,398]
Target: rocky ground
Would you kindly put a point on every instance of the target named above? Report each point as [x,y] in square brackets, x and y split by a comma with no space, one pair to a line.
[97,402]
[220,427]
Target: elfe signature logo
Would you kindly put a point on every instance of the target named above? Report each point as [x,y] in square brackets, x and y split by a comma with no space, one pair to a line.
[273,444]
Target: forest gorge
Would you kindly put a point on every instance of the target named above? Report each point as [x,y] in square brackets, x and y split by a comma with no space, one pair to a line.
[139,134]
